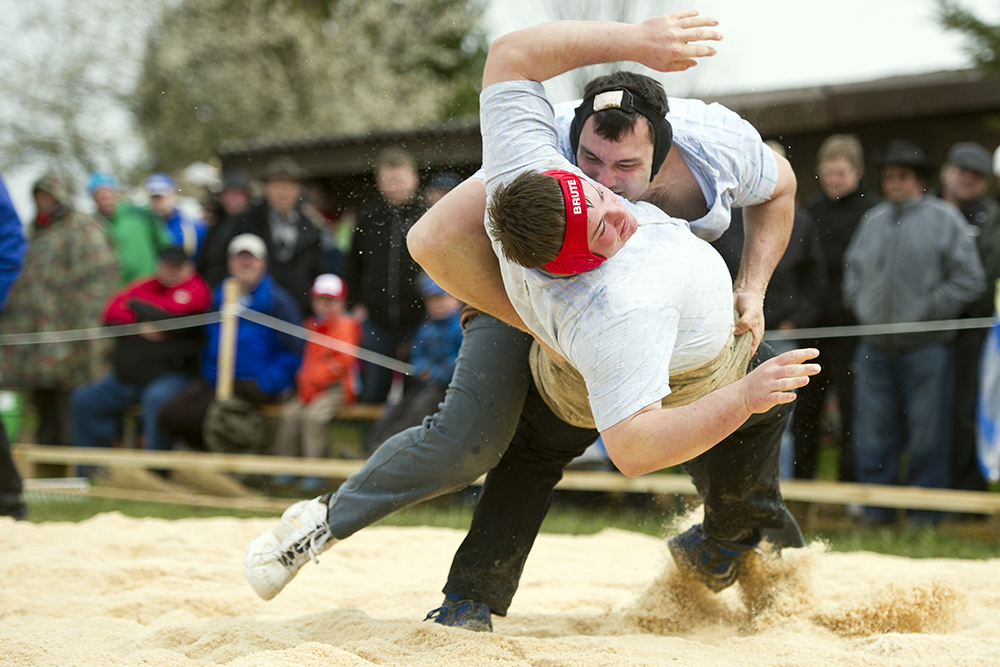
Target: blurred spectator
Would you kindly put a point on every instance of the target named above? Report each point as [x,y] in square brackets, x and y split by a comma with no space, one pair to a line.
[266,360]
[996,168]
[965,180]
[795,294]
[837,208]
[234,200]
[69,272]
[433,354]
[12,247]
[135,233]
[912,259]
[150,367]
[381,275]
[180,229]
[440,184]
[294,250]
[326,380]
[336,227]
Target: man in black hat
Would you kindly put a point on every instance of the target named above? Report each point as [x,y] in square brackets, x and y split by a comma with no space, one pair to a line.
[912,259]
[294,249]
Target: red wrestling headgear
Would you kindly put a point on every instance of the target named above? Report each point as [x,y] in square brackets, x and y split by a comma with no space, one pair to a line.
[574,256]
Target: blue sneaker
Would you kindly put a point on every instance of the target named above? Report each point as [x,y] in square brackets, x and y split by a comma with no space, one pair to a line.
[714,563]
[459,612]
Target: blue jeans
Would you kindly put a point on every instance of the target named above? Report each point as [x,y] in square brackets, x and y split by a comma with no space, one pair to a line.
[96,408]
[903,402]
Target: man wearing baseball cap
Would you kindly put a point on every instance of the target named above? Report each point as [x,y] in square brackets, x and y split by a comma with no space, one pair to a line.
[181,229]
[265,360]
[150,367]
[965,180]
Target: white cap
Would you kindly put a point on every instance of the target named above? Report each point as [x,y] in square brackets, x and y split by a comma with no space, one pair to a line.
[996,162]
[250,243]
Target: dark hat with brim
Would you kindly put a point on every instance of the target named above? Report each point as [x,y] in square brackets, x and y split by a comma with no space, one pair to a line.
[284,168]
[173,254]
[905,153]
[236,179]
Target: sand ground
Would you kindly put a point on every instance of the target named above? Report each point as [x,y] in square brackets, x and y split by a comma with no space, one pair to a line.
[120,591]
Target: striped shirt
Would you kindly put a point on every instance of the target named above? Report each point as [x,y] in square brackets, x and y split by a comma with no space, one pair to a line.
[662,304]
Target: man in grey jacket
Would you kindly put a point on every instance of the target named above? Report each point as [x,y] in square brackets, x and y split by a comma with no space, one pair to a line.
[912,259]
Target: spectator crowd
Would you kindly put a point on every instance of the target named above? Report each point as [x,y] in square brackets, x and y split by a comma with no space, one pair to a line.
[900,407]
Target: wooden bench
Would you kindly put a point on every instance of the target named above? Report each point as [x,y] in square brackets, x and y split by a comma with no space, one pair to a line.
[34,459]
[358,414]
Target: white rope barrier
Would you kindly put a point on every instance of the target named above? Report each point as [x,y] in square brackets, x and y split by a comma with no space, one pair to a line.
[189,321]
[880,329]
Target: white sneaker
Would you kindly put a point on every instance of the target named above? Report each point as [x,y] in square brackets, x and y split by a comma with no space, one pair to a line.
[275,556]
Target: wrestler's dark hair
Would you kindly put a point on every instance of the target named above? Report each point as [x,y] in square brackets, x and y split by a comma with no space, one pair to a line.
[528,217]
[613,123]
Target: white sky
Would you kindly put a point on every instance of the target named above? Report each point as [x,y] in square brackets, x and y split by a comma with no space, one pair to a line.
[769,45]
[779,44]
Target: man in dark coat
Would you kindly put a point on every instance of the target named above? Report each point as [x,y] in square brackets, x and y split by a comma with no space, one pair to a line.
[294,249]
[380,274]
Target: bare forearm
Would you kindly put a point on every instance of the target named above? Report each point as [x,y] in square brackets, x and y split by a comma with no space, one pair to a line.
[664,437]
[767,228]
[655,438]
[450,243]
[547,50]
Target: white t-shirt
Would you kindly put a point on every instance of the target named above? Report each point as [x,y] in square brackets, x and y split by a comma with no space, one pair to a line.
[662,304]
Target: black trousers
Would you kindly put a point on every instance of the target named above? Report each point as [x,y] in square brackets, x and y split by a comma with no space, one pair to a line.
[965,473]
[738,480]
[836,355]
[11,501]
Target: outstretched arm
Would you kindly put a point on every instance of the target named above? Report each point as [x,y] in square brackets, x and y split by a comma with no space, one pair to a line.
[449,241]
[767,227]
[655,438]
[541,52]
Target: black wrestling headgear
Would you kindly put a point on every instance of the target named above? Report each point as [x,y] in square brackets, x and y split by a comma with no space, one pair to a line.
[628,102]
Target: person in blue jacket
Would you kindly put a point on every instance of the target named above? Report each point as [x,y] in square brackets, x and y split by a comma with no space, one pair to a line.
[12,247]
[266,360]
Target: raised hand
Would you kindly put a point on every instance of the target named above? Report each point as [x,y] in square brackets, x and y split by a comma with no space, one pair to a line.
[670,40]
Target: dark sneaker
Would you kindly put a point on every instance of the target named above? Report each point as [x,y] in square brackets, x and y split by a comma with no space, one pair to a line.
[276,555]
[714,563]
[459,612]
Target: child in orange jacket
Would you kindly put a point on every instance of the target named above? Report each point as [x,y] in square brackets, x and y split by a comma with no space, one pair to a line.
[326,380]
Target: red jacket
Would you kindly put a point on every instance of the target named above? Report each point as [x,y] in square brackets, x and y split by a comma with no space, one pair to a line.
[137,360]
[323,367]
[189,298]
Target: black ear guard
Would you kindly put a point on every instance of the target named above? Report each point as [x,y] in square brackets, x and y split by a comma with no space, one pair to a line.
[626,101]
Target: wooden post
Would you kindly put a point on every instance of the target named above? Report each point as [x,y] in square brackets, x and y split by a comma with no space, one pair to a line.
[227,339]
